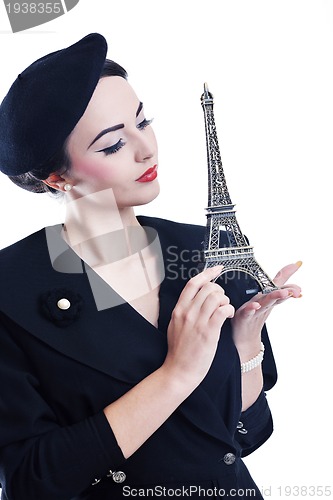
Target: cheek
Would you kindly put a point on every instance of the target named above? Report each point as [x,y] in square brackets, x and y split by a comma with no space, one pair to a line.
[97,168]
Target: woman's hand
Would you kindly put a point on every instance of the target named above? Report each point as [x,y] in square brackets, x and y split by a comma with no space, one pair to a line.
[193,334]
[194,329]
[249,319]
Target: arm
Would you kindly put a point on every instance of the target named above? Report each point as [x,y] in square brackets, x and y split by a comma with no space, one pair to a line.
[248,324]
[39,459]
[255,425]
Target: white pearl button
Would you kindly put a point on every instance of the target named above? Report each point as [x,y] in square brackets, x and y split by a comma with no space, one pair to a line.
[63,304]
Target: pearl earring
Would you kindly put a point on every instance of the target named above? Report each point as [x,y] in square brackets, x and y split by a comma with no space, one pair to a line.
[68,187]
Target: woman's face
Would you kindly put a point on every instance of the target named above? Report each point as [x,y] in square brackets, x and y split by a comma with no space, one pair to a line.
[113,146]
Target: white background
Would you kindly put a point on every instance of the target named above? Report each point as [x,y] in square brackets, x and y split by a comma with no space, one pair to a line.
[269,66]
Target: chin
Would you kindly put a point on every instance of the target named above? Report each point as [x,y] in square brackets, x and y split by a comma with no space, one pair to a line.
[139,203]
[140,199]
[147,197]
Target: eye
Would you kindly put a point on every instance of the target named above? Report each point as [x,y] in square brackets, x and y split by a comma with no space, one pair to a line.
[142,125]
[112,149]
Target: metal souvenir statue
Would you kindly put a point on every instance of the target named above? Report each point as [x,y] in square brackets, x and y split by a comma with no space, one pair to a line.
[239,255]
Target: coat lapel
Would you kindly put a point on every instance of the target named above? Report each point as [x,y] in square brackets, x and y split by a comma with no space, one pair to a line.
[102,339]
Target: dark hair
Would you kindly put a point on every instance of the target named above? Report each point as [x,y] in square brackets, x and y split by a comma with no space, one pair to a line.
[32,181]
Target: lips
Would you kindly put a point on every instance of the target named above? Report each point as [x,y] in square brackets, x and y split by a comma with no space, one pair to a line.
[149,175]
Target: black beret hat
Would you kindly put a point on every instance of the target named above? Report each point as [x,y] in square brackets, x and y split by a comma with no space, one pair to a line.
[45,103]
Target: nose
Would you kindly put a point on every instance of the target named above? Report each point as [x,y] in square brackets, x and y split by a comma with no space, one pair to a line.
[144,146]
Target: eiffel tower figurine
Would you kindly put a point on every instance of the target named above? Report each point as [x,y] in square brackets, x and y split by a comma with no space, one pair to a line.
[238,256]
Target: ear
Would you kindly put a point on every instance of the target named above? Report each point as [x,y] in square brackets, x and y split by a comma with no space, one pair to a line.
[55,181]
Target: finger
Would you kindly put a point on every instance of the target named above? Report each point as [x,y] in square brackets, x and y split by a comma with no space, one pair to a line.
[193,286]
[209,297]
[248,310]
[295,290]
[213,301]
[220,315]
[268,300]
[286,272]
[206,290]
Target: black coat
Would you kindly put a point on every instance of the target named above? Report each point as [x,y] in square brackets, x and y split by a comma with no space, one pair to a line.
[59,369]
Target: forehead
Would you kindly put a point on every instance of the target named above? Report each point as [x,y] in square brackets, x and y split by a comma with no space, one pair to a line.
[113,102]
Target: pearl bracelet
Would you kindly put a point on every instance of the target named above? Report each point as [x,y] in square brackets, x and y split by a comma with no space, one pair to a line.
[254,362]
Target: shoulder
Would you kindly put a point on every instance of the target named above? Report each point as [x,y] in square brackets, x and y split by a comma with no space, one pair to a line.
[23,248]
[27,264]
[158,222]
[21,268]
[183,234]
[172,232]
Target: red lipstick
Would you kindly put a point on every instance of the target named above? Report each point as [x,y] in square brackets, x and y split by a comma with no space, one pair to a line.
[149,175]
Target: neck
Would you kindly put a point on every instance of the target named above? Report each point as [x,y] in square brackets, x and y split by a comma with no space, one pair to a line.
[99,232]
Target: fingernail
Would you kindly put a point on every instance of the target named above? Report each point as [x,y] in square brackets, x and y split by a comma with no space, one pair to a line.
[299,263]
[290,294]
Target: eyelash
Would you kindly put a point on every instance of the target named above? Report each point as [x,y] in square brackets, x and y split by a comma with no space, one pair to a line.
[113,149]
[116,147]
[144,124]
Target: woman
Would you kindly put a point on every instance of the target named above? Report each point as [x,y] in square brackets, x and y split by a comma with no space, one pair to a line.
[117,379]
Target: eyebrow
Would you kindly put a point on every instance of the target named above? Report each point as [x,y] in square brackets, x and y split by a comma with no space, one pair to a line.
[115,127]
[139,109]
